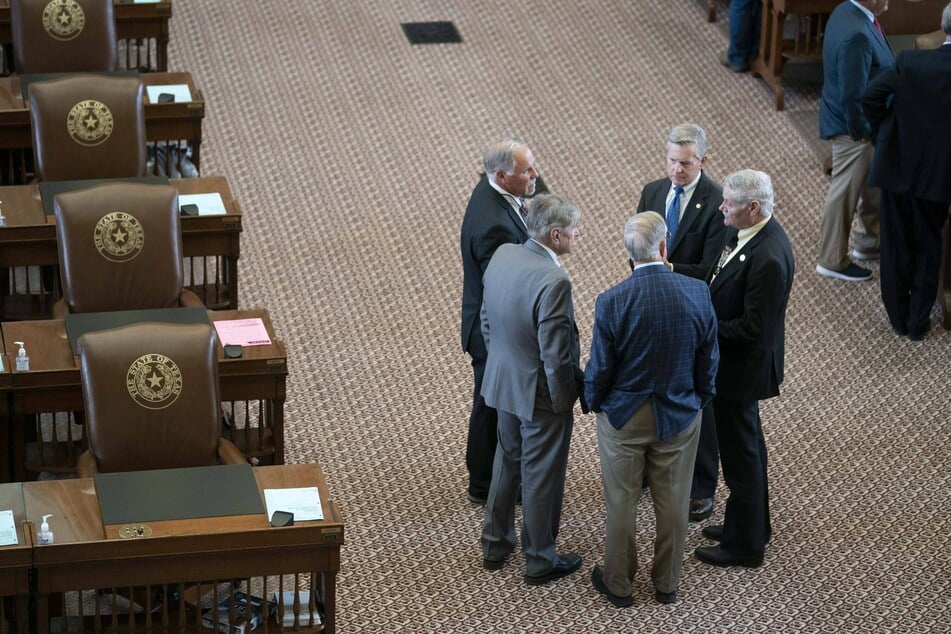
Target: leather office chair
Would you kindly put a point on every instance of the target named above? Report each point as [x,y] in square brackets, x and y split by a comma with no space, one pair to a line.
[65,36]
[120,248]
[151,395]
[88,126]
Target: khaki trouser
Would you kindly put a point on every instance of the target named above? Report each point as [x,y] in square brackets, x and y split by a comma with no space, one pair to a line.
[624,453]
[849,194]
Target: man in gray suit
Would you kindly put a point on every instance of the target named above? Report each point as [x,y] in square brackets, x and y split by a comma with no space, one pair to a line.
[532,378]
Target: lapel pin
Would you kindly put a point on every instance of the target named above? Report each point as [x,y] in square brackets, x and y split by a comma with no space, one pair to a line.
[698,205]
[743,257]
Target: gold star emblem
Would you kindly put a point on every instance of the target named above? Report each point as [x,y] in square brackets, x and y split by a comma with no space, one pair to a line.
[154,380]
[119,236]
[63,17]
[91,121]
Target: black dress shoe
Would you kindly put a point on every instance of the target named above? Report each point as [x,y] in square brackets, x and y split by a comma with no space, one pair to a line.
[597,580]
[701,509]
[493,564]
[476,498]
[665,597]
[718,557]
[713,531]
[564,565]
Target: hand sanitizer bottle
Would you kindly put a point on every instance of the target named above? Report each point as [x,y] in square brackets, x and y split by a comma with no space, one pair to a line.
[23,361]
[45,536]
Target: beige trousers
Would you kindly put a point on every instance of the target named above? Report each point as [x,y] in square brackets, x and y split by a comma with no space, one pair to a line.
[849,194]
[624,452]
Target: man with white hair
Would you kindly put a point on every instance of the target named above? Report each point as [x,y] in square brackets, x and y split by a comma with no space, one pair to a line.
[652,370]
[495,216]
[750,288]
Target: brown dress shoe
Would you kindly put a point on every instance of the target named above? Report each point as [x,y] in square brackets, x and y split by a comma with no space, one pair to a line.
[701,509]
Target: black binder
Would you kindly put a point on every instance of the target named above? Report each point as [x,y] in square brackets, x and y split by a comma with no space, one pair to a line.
[176,494]
[78,324]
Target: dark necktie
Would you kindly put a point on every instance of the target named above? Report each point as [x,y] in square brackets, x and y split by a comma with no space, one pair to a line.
[673,214]
[727,250]
[522,212]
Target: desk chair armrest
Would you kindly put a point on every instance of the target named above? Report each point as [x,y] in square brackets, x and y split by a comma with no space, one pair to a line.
[188,299]
[86,465]
[928,41]
[228,452]
[60,309]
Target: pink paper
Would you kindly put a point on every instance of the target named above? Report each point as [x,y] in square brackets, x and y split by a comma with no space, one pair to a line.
[242,332]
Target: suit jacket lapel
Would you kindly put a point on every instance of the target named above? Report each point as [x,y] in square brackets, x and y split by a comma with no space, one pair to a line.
[738,261]
[512,214]
[691,211]
[881,40]
[660,200]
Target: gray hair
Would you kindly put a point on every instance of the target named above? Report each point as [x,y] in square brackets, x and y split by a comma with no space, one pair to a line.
[501,156]
[946,19]
[689,134]
[750,185]
[643,234]
[550,211]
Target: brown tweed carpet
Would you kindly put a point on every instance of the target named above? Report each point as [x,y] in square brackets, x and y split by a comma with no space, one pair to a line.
[354,153]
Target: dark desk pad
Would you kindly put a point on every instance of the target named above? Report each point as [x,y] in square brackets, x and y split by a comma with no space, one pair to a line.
[78,324]
[177,494]
[49,189]
[28,78]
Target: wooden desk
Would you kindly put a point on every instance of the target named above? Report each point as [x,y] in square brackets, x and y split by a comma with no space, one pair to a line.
[168,125]
[136,24]
[211,246]
[252,391]
[774,49]
[6,386]
[15,564]
[89,562]
[944,276]
[901,18]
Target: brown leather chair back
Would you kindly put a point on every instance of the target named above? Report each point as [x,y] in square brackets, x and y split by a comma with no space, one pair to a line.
[151,394]
[88,126]
[120,247]
[63,36]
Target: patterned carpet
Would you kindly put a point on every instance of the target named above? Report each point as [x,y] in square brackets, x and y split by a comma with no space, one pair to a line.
[353,155]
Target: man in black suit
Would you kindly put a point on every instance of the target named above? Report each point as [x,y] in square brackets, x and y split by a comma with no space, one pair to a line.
[908,105]
[696,236]
[750,289]
[494,216]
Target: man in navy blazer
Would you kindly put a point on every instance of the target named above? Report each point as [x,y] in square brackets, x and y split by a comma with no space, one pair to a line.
[493,217]
[854,51]
[652,369]
[750,290]
[908,105]
[692,250]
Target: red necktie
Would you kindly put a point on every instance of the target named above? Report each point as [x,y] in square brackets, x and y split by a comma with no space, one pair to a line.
[878,26]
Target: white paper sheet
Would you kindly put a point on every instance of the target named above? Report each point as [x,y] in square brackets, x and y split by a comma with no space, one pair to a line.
[181,92]
[208,204]
[303,502]
[8,531]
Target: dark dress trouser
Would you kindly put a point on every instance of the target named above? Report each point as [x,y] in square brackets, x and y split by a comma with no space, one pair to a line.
[706,469]
[911,259]
[746,524]
[483,424]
